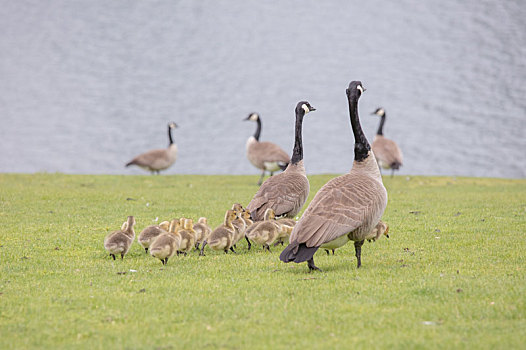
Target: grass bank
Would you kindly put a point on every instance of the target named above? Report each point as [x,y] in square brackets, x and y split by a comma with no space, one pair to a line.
[452,275]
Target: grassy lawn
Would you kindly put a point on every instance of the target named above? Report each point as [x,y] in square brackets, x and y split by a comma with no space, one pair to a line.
[452,275]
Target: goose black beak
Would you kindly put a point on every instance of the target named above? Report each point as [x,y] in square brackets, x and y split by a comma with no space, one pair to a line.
[312,108]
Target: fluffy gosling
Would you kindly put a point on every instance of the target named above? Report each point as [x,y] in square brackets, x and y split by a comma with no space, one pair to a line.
[148,235]
[119,242]
[265,232]
[222,236]
[167,243]
[202,231]
[187,234]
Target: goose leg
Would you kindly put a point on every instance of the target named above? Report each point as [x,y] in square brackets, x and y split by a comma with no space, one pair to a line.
[122,256]
[327,251]
[202,252]
[261,178]
[248,241]
[358,249]
[146,249]
[392,172]
[113,256]
[312,267]
[197,246]
[333,251]
[232,250]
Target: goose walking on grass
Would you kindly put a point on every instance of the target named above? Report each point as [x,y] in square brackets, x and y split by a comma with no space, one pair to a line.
[167,243]
[348,207]
[150,233]
[387,153]
[266,156]
[158,159]
[119,242]
[222,237]
[286,192]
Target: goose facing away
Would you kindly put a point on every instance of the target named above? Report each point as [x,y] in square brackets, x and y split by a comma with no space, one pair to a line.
[387,153]
[150,233]
[266,156]
[348,207]
[222,237]
[158,159]
[119,242]
[167,243]
[286,192]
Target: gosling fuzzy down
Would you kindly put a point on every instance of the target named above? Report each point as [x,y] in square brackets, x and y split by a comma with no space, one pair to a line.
[167,243]
[149,233]
[202,231]
[119,242]
[187,237]
[222,237]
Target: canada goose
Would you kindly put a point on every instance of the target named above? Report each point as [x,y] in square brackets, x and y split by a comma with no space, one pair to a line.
[286,192]
[202,230]
[265,232]
[347,207]
[119,242]
[187,234]
[158,159]
[149,233]
[222,236]
[266,156]
[380,229]
[167,243]
[387,153]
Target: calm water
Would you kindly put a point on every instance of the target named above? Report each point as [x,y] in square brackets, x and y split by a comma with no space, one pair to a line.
[85,86]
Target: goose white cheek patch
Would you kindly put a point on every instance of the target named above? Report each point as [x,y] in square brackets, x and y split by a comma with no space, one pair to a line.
[359,87]
[305,108]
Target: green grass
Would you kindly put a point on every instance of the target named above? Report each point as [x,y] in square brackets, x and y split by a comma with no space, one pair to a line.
[452,275]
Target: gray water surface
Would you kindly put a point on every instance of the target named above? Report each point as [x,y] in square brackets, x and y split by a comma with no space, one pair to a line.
[87,85]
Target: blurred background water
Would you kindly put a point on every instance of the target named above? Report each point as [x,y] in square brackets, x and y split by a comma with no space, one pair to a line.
[87,85]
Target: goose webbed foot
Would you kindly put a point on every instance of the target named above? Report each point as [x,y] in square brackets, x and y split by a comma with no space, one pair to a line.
[312,267]
[358,249]
[146,250]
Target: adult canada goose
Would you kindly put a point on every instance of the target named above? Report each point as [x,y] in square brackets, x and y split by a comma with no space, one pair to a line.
[167,243]
[149,233]
[347,207]
[266,156]
[380,229]
[119,242]
[387,153]
[222,236]
[286,192]
[202,230]
[158,159]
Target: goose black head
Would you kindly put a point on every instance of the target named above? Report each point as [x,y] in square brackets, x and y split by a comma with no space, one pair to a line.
[379,111]
[305,106]
[253,117]
[355,89]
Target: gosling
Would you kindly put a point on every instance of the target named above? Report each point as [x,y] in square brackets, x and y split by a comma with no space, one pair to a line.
[222,236]
[148,235]
[167,243]
[265,232]
[380,229]
[119,242]
[187,237]
[202,231]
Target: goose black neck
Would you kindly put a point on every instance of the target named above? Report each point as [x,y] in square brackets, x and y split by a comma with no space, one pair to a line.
[297,152]
[361,145]
[381,126]
[258,130]
[170,135]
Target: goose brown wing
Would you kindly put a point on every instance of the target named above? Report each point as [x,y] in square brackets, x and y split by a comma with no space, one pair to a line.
[150,157]
[270,152]
[284,192]
[341,206]
[387,151]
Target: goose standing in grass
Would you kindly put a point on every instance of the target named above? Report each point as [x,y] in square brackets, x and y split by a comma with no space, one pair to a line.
[119,242]
[222,236]
[202,230]
[266,156]
[387,153]
[158,159]
[286,192]
[148,234]
[348,207]
[381,229]
[187,234]
[167,243]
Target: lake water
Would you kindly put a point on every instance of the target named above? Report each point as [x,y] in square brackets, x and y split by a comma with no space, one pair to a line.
[87,85]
